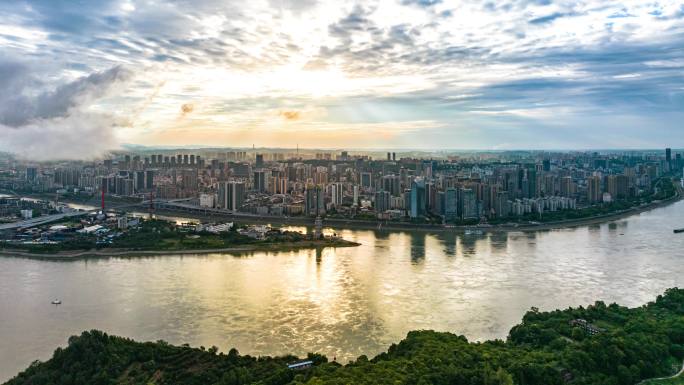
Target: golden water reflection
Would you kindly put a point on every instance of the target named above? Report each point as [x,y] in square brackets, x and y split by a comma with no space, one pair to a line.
[342,302]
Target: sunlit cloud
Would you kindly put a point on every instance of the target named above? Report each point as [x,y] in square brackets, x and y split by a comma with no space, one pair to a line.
[290,115]
[187,108]
[535,69]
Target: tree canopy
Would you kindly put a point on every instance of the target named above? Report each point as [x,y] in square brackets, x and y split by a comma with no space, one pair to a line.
[606,344]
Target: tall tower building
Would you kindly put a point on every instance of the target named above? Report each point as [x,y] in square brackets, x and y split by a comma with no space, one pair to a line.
[260,180]
[382,201]
[418,199]
[336,194]
[314,201]
[468,204]
[231,195]
[594,189]
[450,203]
[259,161]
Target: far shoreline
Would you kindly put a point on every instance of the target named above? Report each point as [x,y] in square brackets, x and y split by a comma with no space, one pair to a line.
[338,223]
[342,223]
[113,252]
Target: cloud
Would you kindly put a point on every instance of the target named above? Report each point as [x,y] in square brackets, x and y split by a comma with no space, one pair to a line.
[186,109]
[76,136]
[549,18]
[17,110]
[58,122]
[290,115]
[521,65]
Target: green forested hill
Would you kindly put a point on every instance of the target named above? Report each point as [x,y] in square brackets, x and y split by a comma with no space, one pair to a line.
[617,346]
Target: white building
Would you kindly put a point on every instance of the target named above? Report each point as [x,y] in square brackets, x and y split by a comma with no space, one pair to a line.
[207,200]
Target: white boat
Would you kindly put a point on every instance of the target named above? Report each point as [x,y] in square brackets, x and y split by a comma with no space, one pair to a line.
[56,302]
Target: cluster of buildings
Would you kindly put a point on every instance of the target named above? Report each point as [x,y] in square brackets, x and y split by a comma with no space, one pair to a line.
[439,187]
[103,227]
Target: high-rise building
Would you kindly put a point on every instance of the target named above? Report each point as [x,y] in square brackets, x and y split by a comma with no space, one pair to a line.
[278,184]
[430,196]
[259,161]
[451,203]
[149,179]
[668,155]
[568,187]
[501,206]
[336,194]
[418,199]
[189,181]
[468,204]
[594,193]
[391,184]
[532,187]
[440,198]
[617,186]
[231,195]
[139,181]
[314,201]
[320,175]
[366,179]
[31,173]
[382,201]
[260,181]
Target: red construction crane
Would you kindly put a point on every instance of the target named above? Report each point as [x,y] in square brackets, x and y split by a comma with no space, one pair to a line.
[102,202]
[151,203]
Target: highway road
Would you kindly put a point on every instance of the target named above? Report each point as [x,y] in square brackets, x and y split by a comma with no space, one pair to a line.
[41,220]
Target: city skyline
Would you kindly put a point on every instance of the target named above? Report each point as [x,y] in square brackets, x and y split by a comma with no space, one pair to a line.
[405,75]
[307,192]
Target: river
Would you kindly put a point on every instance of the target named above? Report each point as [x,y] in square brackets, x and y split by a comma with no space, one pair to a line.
[341,302]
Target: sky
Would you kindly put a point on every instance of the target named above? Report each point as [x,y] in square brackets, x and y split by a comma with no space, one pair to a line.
[80,78]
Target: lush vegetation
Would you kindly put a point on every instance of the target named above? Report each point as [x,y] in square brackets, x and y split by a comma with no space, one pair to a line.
[164,235]
[154,234]
[545,349]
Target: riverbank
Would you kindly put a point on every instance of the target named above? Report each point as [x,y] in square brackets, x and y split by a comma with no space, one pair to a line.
[248,248]
[399,226]
[595,220]
[343,223]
